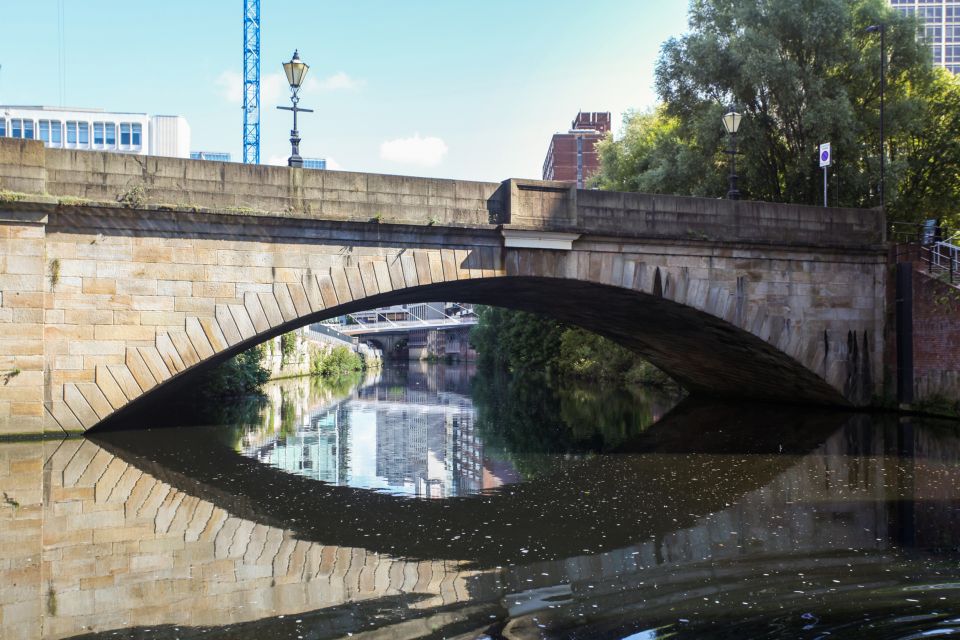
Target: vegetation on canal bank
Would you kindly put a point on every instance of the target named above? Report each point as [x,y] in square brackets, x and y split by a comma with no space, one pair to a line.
[245,373]
[525,342]
[240,375]
[337,363]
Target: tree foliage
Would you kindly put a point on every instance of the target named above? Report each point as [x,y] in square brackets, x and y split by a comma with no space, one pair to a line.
[241,375]
[801,72]
[525,342]
[339,362]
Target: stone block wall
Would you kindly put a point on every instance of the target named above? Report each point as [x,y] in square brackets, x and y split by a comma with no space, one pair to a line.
[665,216]
[24,280]
[232,188]
[133,306]
[110,291]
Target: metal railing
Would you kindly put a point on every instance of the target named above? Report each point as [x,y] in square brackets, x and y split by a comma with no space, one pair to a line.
[410,316]
[943,261]
[932,245]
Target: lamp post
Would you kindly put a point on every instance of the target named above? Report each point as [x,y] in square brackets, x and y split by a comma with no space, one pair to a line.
[882,29]
[731,122]
[296,71]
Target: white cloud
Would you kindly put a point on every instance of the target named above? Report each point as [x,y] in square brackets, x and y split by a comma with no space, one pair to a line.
[231,86]
[338,81]
[425,152]
[273,88]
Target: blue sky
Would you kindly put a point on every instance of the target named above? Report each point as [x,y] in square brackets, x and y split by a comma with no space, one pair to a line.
[446,88]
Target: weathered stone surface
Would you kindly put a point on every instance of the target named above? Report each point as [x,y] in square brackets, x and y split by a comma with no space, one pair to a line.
[736,298]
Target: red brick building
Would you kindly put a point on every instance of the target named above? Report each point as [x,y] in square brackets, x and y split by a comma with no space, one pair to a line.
[571,156]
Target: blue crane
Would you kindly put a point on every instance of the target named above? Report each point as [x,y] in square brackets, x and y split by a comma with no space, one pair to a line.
[251,81]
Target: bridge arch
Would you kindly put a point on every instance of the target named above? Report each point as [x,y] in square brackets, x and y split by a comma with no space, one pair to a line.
[107,299]
[711,340]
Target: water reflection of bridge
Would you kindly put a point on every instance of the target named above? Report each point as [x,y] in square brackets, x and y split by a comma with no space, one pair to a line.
[100,542]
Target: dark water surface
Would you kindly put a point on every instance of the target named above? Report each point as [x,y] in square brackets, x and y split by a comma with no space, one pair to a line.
[433,502]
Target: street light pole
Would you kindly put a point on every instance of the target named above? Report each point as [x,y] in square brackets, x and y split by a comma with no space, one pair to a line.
[295,71]
[882,29]
[731,122]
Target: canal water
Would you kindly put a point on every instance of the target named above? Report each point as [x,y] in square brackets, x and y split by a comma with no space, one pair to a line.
[436,502]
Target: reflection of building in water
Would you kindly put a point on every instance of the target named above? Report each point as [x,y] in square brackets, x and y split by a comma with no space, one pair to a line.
[319,450]
[430,450]
[403,436]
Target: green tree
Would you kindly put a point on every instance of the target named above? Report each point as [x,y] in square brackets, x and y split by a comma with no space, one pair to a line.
[340,362]
[516,340]
[802,72]
[525,343]
[241,375]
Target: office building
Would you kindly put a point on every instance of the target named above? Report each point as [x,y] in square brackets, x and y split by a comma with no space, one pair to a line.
[98,130]
[940,26]
[571,156]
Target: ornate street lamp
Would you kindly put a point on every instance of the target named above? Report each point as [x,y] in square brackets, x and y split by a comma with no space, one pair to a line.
[731,122]
[296,71]
[882,30]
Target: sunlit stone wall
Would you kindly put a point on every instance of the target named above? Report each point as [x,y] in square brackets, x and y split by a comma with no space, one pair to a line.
[120,273]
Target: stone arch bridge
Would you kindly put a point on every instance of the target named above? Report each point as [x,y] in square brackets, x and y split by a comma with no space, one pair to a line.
[122,276]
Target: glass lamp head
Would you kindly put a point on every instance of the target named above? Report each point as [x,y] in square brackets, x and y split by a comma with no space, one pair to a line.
[731,121]
[296,71]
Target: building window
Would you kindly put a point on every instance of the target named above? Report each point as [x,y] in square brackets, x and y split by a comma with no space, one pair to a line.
[111,134]
[135,135]
[45,130]
[56,133]
[16,128]
[28,129]
[124,134]
[83,131]
[97,133]
[3,128]
[71,133]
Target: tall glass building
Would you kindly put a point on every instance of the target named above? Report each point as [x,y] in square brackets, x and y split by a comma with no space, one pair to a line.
[941,28]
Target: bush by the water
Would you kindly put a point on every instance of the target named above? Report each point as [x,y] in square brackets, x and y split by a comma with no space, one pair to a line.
[341,361]
[240,375]
[523,342]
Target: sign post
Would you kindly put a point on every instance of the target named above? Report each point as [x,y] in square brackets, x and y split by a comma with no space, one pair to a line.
[826,159]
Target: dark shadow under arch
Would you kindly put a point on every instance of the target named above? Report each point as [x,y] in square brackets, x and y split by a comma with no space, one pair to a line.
[705,354]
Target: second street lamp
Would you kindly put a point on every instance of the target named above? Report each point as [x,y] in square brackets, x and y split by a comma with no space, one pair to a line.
[731,122]
[882,30]
[296,71]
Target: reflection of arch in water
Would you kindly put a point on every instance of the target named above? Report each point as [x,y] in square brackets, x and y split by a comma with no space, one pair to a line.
[562,522]
[170,546]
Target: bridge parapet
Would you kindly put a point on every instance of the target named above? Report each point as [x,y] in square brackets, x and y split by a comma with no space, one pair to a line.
[170,184]
[557,206]
[95,178]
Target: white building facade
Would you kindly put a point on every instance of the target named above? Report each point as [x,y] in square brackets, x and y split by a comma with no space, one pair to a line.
[98,130]
[940,25]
